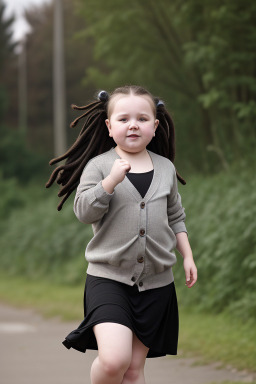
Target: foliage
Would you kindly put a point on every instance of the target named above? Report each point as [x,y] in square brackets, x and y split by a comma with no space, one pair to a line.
[47,244]
[191,53]
[61,301]
[10,200]
[17,160]
[194,55]
[40,83]
[204,337]
[198,56]
[221,225]
[219,338]
[6,44]
[38,47]
[135,43]
[220,220]
[221,48]
[6,54]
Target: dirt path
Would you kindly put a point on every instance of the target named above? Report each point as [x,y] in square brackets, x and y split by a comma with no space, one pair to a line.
[31,353]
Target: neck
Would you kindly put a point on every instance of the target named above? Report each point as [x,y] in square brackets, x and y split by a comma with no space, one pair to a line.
[139,161]
[131,155]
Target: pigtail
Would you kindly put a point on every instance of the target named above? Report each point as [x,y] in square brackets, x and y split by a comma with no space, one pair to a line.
[164,141]
[92,140]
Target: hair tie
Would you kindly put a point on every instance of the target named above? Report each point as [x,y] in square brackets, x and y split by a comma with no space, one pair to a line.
[103,96]
[160,103]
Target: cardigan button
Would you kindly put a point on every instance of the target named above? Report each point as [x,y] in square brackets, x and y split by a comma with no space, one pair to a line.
[133,278]
[142,205]
[141,283]
[140,259]
[142,232]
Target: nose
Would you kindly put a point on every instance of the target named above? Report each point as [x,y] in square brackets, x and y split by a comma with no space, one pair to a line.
[133,124]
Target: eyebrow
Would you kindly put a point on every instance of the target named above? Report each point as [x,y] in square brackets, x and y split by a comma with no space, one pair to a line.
[126,114]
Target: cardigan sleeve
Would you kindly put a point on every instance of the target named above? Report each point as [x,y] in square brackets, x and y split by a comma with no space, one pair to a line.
[175,211]
[91,200]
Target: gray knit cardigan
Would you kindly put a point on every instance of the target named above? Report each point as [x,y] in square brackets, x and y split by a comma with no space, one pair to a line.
[133,236]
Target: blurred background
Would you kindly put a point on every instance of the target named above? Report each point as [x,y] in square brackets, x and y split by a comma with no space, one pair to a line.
[200,58]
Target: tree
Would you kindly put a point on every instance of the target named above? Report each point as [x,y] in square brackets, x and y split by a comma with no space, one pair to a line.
[6,43]
[6,54]
[15,159]
[39,46]
[59,83]
[193,54]
[223,49]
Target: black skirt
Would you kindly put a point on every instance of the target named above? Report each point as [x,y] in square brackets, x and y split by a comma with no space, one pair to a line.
[152,315]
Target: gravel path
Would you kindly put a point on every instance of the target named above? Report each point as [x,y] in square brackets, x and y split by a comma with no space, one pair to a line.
[31,353]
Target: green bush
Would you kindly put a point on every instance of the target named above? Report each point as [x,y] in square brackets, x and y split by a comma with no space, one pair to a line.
[37,241]
[17,160]
[221,224]
[10,198]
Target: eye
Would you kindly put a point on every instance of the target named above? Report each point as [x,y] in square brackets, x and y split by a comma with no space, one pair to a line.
[143,119]
[124,120]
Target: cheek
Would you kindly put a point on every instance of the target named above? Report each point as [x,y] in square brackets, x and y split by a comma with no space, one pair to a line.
[118,131]
[150,129]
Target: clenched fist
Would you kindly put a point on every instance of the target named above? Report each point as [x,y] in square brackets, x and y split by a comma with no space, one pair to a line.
[117,174]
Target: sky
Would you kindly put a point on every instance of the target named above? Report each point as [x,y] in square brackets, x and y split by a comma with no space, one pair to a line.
[17,7]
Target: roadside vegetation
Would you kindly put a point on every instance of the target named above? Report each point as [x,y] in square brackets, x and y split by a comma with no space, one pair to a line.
[42,262]
[201,50]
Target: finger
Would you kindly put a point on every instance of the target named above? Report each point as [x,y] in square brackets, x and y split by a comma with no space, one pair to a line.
[125,165]
[193,279]
[194,274]
[128,165]
[124,162]
[190,285]
[187,275]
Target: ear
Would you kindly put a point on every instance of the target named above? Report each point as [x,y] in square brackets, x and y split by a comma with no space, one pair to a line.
[156,123]
[109,127]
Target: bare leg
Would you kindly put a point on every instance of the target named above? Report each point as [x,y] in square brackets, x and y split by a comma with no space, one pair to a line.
[115,353]
[135,372]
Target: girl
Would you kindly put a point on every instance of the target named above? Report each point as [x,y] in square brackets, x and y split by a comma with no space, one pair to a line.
[128,192]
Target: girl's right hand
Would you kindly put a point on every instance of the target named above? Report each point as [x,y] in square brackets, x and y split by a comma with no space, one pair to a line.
[117,174]
[119,170]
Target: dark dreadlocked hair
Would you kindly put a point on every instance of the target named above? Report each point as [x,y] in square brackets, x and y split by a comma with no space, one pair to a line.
[94,139]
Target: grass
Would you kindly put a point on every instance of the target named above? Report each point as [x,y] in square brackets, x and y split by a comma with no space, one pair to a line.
[209,338]
[51,300]
[221,223]
[218,338]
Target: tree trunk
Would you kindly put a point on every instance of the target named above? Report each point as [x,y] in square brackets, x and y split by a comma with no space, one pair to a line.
[59,99]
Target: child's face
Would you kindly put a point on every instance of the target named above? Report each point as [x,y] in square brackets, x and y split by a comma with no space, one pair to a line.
[132,122]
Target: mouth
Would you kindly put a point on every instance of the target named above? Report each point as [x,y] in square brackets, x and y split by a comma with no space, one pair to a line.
[133,135]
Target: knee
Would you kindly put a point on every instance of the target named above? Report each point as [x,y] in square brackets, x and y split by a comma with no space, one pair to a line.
[114,365]
[135,371]
[133,374]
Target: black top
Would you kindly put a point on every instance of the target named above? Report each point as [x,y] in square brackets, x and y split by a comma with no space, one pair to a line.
[141,181]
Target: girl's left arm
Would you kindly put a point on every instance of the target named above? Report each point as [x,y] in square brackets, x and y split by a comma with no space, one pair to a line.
[176,219]
[184,249]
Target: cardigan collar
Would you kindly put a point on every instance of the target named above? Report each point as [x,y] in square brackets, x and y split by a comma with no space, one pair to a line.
[155,180]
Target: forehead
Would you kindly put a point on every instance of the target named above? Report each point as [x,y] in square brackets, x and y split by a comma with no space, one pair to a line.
[129,103]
